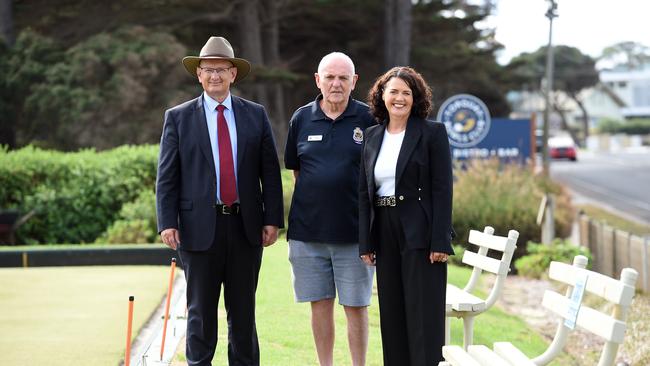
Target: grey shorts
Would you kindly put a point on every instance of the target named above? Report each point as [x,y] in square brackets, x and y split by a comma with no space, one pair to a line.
[320,270]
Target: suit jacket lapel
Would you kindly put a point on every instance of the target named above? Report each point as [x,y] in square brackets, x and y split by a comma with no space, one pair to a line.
[201,133]
[411,138]
[242,123]
[373,144]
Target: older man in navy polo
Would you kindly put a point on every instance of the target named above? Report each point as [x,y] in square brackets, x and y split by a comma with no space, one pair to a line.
[323,149]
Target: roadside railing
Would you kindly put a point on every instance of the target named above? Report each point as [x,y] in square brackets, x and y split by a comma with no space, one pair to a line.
[615,249]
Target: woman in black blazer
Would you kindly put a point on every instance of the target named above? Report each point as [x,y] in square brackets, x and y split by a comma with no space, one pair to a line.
[405,199]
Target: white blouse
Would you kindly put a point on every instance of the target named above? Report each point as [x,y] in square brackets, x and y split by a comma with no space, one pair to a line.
[386,165]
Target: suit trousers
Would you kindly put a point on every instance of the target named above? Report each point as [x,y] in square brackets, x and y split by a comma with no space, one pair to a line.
[233,262]
[411,293]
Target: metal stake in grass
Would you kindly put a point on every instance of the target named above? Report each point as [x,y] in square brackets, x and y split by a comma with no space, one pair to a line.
[169,296]
[129,324]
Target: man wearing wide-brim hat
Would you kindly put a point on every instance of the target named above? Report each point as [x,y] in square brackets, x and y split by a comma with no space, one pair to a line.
[219,201]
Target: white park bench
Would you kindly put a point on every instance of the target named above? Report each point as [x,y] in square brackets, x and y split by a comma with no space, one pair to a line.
[572,312]
[461,303]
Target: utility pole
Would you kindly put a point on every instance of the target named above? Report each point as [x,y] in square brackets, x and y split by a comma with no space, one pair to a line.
[550,14]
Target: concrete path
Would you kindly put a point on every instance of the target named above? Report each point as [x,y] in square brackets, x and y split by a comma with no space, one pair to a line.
[146,347]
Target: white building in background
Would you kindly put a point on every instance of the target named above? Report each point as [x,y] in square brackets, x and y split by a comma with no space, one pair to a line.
[633,87]
[601,102]
[620,95]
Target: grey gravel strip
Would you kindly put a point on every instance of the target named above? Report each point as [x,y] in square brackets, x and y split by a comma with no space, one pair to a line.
[145,350]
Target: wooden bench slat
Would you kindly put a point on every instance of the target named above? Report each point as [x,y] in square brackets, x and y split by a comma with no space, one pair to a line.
[598,284]
[495,242]
[485,356]
[457,356]
[512,354]
[463,301]
[600,324]
[485,263]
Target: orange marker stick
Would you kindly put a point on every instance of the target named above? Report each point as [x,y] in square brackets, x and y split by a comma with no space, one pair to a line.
[127,354]
[169,296]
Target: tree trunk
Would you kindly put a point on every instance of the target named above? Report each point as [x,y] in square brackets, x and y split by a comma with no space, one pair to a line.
[397,32]
[7,22]
[7,132]
[251,39]
[403,20]
[8,122]
[389,33]
[585,118]
[565,124]
[250,32]
[279,120]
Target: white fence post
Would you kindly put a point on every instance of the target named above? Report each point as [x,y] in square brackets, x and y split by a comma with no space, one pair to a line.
[646,242]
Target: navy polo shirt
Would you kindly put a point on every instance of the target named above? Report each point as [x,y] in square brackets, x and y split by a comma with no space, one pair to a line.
[325,204]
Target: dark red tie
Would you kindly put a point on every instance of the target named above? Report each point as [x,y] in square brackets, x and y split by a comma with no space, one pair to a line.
[228,188]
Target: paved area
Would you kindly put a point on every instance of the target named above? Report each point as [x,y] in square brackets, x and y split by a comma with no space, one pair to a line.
[619,181]
[147,346]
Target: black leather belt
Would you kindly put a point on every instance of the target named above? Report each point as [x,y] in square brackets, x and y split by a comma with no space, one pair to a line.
[227,210]
[385,201]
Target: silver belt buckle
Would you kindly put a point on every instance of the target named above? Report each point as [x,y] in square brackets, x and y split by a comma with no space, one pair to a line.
[391,201]
[386,201]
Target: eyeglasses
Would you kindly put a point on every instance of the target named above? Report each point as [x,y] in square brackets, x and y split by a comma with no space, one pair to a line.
[211,71]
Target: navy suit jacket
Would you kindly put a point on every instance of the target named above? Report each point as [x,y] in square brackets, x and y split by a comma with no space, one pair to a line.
[186,181]
[423,187]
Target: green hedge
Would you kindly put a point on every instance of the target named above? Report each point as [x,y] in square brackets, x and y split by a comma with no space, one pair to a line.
[108,196]
[505,196]
[636,126]
[538,261]
[136,223]
[76,196]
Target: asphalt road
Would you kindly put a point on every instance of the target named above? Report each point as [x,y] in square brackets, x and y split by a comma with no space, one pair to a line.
[617,180]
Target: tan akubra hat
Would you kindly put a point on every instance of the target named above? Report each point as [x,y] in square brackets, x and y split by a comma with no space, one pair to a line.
[217,48]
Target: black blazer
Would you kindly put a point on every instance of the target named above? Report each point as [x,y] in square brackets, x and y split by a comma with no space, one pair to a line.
[423,187]
[186,181]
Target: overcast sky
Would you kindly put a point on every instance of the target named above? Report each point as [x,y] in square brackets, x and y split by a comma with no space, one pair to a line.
[590,25]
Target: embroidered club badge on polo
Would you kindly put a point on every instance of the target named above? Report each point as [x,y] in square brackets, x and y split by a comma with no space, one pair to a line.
[357,135]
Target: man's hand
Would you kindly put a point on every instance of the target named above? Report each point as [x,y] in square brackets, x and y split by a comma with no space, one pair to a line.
[171,238]
[369,259]
[438,257]
[269,235]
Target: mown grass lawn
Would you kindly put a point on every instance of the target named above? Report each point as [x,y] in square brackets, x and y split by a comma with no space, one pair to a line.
[77,316]
[284,326]
[60,316]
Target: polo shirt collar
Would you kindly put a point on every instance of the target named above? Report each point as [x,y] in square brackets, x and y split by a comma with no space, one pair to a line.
[212,103]
[317,113]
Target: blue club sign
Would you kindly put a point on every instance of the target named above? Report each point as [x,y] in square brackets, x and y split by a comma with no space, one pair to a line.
[467,120]
[474,134]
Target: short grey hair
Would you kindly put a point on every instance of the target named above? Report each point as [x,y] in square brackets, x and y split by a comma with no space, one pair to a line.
[332,55]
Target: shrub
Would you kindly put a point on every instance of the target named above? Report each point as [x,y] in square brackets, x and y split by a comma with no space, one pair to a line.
[540,256]
[75,195]
[608,125]
[136,223]
[128,231]
[636,126]
[505,196]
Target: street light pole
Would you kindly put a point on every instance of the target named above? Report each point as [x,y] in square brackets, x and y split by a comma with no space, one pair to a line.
[550,14]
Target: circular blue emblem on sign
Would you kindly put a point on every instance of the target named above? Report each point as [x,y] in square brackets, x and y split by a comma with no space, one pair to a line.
[467,120]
